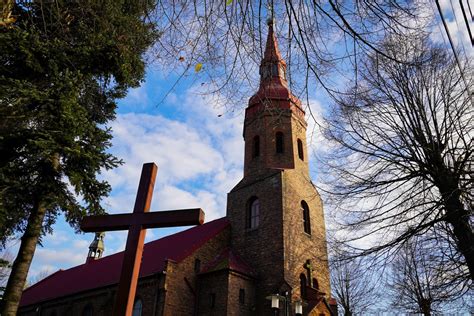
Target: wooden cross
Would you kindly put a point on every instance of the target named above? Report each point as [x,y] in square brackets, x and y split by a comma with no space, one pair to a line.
[136,223]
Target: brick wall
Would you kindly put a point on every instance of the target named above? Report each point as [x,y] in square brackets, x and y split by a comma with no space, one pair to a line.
[262,248]
[181,279]
[300,246]
[101,300]
[161,294]
[265,125]
[236,307]
[279,247]
[216,284]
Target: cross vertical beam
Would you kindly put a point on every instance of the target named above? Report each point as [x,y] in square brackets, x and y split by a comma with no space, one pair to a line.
[135,241]
[136,223]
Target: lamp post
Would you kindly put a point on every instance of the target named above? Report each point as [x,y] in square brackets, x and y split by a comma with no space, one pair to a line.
[275,304]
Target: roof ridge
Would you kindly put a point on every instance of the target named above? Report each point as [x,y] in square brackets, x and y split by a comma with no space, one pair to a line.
[177,246]
[49,276]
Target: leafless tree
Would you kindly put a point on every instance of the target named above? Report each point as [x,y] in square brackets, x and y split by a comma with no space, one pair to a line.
[403,153]
[318,38]
[418,284]
[353,286]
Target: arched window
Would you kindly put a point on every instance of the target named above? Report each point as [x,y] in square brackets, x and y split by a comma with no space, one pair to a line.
[256,147]
[315,284]
[279,142]
[306,220]
[300,149]
[137,308]
[88,310]
[303,285]
[197,265]
[253,213]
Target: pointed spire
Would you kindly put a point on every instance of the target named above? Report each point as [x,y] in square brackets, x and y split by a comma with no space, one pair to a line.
[273,83]
[272,53]
[272,67]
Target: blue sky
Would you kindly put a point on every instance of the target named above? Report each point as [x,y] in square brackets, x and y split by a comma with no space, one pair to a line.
[197,145]
[199,157]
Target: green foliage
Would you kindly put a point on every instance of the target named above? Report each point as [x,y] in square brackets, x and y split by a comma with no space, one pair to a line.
[63,65]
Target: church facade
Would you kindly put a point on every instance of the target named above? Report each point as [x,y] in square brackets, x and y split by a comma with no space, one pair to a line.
[272,240]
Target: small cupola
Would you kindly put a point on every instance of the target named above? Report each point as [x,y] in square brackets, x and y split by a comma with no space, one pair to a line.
[96,248]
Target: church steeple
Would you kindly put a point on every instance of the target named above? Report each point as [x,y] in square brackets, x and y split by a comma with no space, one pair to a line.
[275,125]
[96,248]
[275,211]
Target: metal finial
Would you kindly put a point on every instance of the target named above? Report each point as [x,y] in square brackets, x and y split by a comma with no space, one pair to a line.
[270,12]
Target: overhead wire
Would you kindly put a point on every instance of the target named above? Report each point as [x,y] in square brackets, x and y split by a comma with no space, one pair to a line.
[466,21]
[459,27]
[456,57]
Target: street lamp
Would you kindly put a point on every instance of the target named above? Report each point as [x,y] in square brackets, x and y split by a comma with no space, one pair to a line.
[275,300]
[275,303]
[299,308]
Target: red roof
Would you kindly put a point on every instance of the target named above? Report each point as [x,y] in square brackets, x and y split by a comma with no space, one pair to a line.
[106,271]
[228,260]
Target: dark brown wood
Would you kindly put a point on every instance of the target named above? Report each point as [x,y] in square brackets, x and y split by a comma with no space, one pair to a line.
[137,223]
[147,220]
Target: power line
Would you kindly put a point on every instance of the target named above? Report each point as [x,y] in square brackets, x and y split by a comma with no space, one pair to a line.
[466,21]
[470,11]
[454,50]
[459,28]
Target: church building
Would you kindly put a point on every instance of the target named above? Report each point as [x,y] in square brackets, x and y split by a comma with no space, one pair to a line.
[270,244]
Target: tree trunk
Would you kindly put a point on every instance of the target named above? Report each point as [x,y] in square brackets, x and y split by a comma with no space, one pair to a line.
[19,272]
[426,307]
[462,230]
[458,217]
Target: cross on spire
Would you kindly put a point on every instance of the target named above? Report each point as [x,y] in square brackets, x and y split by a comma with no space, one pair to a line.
[136,223]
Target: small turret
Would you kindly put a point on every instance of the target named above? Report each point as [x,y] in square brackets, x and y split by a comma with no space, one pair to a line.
[96,249]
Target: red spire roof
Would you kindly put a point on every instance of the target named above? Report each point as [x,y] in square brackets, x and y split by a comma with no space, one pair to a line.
[272,53]
[273,82]
[106,271]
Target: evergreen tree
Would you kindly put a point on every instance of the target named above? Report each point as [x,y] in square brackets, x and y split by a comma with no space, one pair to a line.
[63,65]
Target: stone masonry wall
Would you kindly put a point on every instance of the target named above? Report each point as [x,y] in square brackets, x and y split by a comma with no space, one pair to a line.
[181,280]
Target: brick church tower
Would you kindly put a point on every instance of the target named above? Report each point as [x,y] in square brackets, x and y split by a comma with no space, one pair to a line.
[276,213]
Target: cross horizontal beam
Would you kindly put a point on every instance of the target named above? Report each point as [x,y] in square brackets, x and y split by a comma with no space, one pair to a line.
[172,218]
